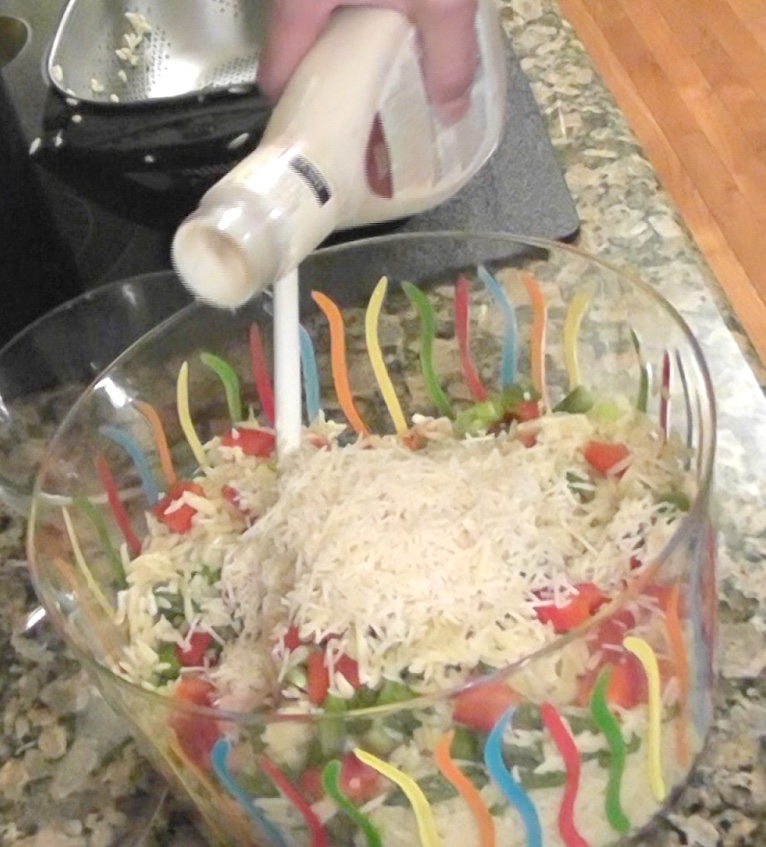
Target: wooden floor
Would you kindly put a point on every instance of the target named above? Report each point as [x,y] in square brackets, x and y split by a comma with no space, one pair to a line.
[690,76]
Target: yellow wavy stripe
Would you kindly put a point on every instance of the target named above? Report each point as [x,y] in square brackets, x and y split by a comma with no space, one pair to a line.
[371,319]
[572,322]
[184,416]
[648,659]
[82,566]
[429,837]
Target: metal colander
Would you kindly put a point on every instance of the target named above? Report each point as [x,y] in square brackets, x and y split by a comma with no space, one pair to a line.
[101,55]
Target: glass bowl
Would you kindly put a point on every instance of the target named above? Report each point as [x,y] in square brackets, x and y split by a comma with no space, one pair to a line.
[44,368]
[493,626]
[47,365]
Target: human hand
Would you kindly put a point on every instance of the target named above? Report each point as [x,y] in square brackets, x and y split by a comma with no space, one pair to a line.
[447,38]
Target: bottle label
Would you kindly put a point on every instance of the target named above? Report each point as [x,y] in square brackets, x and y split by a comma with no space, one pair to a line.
[312,176]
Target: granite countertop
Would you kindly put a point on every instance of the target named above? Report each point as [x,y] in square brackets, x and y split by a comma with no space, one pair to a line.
[56,732]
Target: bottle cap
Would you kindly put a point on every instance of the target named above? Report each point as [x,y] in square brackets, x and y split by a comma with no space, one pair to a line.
[222,257]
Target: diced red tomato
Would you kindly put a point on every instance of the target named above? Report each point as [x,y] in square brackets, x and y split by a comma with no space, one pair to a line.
[579,608]
[191,689]
[318,678]
[251,440]
[319,441]
[602,456]
[358,781]
[482,706]
[310,784]
[292,639]
[413,441]
[193,655]
[231,496]
[627,685]
[528,439]
[527,410]
[613,630]
[196,734]
[349,668]
[178,520]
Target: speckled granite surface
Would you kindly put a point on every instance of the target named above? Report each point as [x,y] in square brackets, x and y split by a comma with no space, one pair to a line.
[55,733]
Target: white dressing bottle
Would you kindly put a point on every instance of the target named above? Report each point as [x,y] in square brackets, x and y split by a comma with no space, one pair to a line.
[353,140]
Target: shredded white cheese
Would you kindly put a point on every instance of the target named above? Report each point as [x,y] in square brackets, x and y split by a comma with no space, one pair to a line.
[422,562]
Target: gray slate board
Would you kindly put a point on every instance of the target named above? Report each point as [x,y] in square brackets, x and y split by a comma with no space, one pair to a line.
[521,189]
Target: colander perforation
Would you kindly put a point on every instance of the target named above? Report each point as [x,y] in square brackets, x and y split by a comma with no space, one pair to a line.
[194,46]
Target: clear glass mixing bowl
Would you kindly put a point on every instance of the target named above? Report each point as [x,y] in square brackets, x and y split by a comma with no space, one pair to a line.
[581,737]
[47,365]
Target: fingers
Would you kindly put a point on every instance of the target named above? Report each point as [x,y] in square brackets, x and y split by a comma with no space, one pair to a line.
[292,29]
[446,31]
[450,52]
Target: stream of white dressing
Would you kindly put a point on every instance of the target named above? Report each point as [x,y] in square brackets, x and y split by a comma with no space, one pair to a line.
[287,364]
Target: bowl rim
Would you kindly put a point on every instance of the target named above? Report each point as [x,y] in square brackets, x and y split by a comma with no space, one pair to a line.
[264,715]
[88,296]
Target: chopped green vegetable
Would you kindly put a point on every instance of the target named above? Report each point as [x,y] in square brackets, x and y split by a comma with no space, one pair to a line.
[393,692]
[526,757]
[606,411]
[363,698]
[675,500]
[527,716]
[331,736]
[168,659]
[603,757]
[379,740]
[257,785]
[549,779]
[210,575]
[297,676]
[498,408]
[577,402]
[331,729]
[404,722]
[582,723]
[434,786]
[580,486]
[466,745]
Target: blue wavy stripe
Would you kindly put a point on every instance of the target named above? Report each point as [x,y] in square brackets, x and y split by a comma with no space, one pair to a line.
[510,355]
[516,795]
[310,376]
[219,758]
[128,443]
